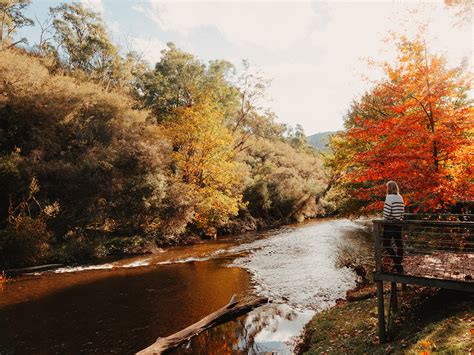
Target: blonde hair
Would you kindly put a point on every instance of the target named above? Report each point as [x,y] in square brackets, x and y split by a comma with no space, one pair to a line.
[392,188]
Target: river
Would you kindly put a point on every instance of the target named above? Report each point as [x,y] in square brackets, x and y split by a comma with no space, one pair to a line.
[123,306]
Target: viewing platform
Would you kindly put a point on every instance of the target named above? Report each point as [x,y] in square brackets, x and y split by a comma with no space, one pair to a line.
[427,250]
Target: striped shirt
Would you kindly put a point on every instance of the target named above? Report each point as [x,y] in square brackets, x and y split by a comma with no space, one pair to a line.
[394,207]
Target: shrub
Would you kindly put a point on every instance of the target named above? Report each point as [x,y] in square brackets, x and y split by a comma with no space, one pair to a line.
[282,181]
[26,238]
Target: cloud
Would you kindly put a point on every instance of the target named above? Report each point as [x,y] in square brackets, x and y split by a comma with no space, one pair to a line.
[275,25]
[95,5]
[311,95]
[317,88]
[114,26]
[358,31]
[138,8]
[150,49]
[314,52]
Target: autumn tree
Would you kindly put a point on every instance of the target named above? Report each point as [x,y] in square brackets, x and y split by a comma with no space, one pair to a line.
[415,127]
[210,160]
[204,161]
[12,18]
[463,9]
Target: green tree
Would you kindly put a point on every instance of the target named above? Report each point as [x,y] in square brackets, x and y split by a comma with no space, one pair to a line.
[250,119]
[11,19]
[104,163]
[84,44]
[284,182]
[297,137]
[179,79]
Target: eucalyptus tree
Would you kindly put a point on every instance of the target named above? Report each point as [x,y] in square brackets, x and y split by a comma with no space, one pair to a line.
[85,46]
[12,18]
[179,80]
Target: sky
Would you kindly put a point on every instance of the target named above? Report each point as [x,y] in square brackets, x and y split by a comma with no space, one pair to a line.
[315,53]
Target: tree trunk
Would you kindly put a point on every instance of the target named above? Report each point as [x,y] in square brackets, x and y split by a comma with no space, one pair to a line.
[230,311]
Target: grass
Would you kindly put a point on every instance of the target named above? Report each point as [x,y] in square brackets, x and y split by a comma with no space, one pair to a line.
[428,321]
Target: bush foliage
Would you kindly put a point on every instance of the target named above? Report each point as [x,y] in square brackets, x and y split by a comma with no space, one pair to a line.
[112,170]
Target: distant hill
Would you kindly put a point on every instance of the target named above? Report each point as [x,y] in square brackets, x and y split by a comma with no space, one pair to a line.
[320,140]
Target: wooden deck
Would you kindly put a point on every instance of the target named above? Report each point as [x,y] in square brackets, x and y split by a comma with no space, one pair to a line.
[438,253]
[441,265]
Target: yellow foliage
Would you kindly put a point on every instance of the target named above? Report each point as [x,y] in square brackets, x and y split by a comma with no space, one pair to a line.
[204,159]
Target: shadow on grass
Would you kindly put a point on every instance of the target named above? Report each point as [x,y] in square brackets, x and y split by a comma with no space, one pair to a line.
[428,320]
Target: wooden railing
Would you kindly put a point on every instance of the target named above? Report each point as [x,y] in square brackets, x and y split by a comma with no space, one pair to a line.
[430,250]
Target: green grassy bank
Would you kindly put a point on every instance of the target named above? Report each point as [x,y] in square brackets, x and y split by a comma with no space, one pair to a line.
[428,321]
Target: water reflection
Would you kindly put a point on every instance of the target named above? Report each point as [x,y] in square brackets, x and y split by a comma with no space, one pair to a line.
[268,329]
[121,313]
[125,308]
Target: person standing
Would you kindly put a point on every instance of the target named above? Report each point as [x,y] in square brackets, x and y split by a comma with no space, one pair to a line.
[393,210]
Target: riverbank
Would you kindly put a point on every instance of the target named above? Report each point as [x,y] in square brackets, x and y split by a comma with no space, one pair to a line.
[102,247]
[109,248]
[429,320]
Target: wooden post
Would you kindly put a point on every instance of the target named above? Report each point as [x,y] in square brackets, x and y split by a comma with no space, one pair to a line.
[393,297]
[406,233]
[392,307]
[381,312]
[378,251]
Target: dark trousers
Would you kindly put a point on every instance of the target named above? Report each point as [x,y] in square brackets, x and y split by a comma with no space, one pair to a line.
[394,232]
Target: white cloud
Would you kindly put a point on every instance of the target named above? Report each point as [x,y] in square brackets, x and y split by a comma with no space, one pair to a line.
[95,5]
[317,90]
[138,8]
[357,31]
[311,95]
[272,25]
[113,26]
[150,49]
[313,52]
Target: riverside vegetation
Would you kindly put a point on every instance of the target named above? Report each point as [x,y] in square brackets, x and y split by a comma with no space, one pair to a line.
[429,321]
[102,154]
[95,142]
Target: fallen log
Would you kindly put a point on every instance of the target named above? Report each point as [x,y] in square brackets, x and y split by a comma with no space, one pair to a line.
[24,270]
[230,311]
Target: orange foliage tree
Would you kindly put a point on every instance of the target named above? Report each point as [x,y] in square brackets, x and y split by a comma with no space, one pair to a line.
[414,127]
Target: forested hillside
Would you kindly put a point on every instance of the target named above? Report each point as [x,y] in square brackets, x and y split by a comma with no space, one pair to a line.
[320,141]
[102,153]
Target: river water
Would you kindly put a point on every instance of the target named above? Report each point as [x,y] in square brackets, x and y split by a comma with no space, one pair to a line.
[123,306]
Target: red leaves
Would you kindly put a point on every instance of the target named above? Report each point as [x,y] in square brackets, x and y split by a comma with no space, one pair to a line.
[415,127]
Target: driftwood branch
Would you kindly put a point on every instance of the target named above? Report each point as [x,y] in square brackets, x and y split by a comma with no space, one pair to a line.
[24,270]
[230,311]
